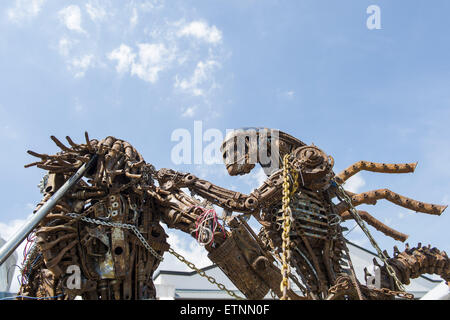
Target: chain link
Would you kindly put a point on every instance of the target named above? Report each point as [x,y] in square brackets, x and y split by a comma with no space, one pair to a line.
[400,294]
[122,226]
[152,251]
[287,217]
[342,284]
[362,225]
[203,274]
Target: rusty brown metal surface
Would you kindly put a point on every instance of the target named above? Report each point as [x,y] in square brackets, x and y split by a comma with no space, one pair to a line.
[92,226]
[374,167]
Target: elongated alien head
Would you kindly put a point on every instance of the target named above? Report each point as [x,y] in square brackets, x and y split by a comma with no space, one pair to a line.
[243,148]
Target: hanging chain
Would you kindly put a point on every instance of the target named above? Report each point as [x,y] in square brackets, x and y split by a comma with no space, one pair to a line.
[362,225]
[342,284]
[122,226]
[203,274]
[152,251]
[287,217]
[400,294]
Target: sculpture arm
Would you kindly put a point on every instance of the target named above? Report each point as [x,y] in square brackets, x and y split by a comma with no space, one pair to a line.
[238,252]
[263,196]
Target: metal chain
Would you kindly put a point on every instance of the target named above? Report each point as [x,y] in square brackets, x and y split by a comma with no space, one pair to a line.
[122,226]
[287,217]
[342,284]
[152,251]
[203,274]
[362,225]
[400,294]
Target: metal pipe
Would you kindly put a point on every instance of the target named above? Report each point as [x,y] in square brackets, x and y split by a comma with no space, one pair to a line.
[8,248]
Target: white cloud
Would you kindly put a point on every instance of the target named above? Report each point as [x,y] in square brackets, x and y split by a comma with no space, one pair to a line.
[124,56]
[285,95]
[289,94]
[210,172]
[150,5]
[189,112]
[162,53]
[95,11]
[71,17]
[255,178]
[79,66]
[25,9]
[202,31]
[202,73]
[355,183]
[134,18]
[152,59]
[7,230]
[65,45]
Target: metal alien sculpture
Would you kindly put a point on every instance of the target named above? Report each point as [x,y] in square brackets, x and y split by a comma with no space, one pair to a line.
[108,226]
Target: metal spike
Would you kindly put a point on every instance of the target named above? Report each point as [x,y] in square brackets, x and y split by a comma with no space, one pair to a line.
[38,155]
[60,144]
[72,143]
[396,251]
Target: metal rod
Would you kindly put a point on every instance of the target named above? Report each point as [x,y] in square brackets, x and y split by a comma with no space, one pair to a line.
[8,248]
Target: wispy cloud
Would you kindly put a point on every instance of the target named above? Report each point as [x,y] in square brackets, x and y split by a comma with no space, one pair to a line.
[255,178]
[80,65]
[189,112]
[124,56]
[203,74]
[65,45]
[202,31]
[186,53]
[134,18]
[71,18]
[96,11]
[355,183]
[152,58]
[25,10]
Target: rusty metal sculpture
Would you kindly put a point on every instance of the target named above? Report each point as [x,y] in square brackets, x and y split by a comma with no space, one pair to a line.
[109,227]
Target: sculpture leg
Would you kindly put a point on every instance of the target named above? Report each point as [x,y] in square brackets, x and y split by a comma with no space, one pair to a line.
[371,197]
[375,167]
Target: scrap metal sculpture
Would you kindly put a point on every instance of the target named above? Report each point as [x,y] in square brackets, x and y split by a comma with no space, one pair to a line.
[109,225]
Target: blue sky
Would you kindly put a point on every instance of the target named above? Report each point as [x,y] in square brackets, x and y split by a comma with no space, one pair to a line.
[138,70]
